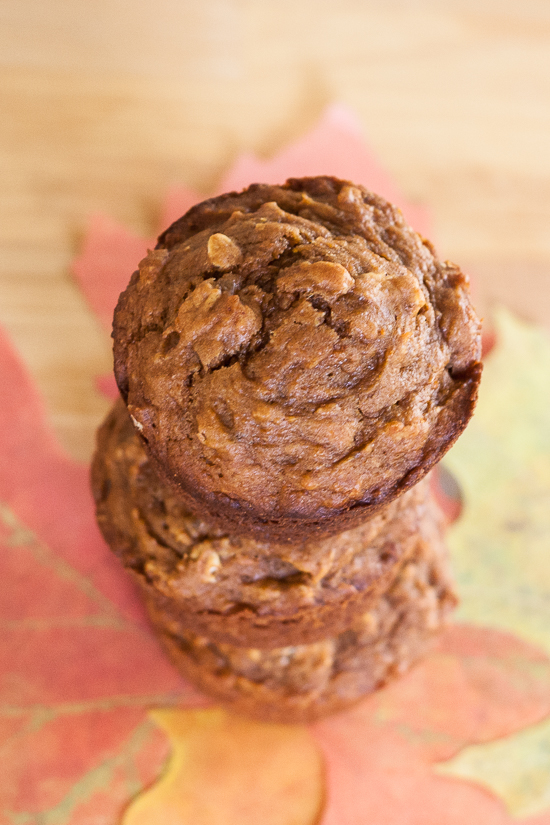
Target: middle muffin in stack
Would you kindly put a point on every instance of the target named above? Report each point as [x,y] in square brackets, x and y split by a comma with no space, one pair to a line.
[293,359]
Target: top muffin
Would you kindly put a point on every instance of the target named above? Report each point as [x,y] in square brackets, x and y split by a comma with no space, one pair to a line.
[296,356]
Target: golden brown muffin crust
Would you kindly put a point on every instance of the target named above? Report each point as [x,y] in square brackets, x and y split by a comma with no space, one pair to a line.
[302,682]
[236,589]
[295,356]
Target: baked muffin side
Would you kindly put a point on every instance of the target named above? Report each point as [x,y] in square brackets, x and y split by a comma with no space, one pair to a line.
[304,682]
[236,589]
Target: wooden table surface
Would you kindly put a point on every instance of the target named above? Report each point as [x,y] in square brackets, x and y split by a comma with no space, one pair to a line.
[106,104]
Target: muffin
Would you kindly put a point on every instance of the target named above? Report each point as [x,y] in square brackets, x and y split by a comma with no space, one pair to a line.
[236,589]
[292,361]
[295,357]
[303,682]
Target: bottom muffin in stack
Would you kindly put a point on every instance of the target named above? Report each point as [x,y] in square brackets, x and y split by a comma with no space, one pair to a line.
[277,631]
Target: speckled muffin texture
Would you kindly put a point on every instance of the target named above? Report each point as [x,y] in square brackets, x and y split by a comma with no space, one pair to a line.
[234,589]
[302,682]
[296,356]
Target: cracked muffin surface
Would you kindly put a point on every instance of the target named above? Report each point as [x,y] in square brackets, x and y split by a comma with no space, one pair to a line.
[296,356]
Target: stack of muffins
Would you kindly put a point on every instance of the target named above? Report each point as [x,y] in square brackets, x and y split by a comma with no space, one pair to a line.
[292,361]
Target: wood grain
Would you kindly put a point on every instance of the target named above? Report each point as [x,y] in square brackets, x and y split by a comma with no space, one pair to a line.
[104,105]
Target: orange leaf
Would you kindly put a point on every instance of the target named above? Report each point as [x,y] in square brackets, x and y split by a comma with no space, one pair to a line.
[228,769]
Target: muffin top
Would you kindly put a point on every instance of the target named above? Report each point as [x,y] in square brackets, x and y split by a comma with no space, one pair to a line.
[296,356]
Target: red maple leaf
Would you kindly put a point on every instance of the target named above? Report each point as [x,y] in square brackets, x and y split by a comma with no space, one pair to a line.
[79,666]
[78,663]
[478,685]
